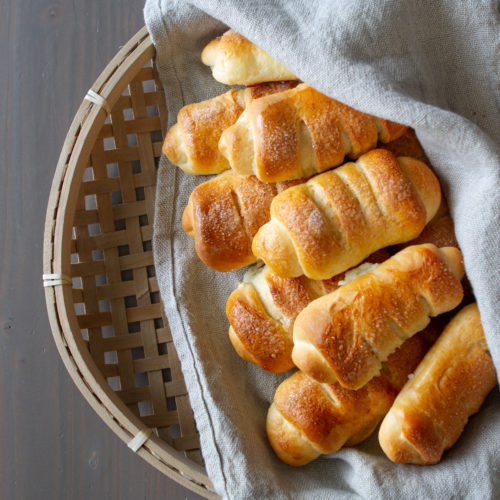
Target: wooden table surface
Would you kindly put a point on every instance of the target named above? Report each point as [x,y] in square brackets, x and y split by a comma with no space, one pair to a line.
[52,444]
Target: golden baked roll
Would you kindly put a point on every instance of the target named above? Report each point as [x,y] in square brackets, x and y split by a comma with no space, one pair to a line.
[346,335]
[338,218]
[449,385]
[224,213]
[235,60]
[192,143]
[262,310]
[298,133]
[308,418]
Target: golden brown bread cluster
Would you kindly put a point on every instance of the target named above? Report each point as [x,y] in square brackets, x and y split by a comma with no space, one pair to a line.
[308,418]
[449,385]
[277,131]
[354,214]
[262,311]
[358,335]
[193,142]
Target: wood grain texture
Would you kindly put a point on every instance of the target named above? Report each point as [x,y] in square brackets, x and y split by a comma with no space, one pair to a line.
[52,444]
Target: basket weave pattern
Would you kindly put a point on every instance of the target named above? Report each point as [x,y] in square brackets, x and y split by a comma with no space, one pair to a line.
[122,317]
[109,326]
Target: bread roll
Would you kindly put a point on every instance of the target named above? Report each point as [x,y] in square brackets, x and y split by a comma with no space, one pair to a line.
[192,143]
[449,385]
[235,60]
[346,335]
[263,308]
[336,219]
[224,213]
[298,133]
[308,418]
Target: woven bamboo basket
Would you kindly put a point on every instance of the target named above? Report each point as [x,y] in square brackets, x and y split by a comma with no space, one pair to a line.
[102,296]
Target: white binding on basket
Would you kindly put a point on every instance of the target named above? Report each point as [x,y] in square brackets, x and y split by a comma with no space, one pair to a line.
[139,439]
[99,100]
[56,279]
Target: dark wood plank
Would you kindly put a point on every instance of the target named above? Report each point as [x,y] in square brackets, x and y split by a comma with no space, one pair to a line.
[52,444]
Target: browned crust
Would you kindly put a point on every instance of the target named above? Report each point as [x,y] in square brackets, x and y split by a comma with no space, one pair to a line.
[201,125]
[256,335]
[277,123]
[451,383]
[283,185]
[299,132]
[254,201]
[277,138]
[328,416]
[192,143]
[326,119]
[223,215]
[395,192]
[406,358]
[289,295]
[309,228]
[290,445]
[356,327]
[261,339]
[304,403]
[286,297]
[338,218]
[425,184]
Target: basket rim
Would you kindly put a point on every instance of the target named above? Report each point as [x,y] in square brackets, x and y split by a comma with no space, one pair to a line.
[74,156]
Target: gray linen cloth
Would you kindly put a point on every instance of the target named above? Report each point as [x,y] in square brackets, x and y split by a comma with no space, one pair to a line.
[431,65]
